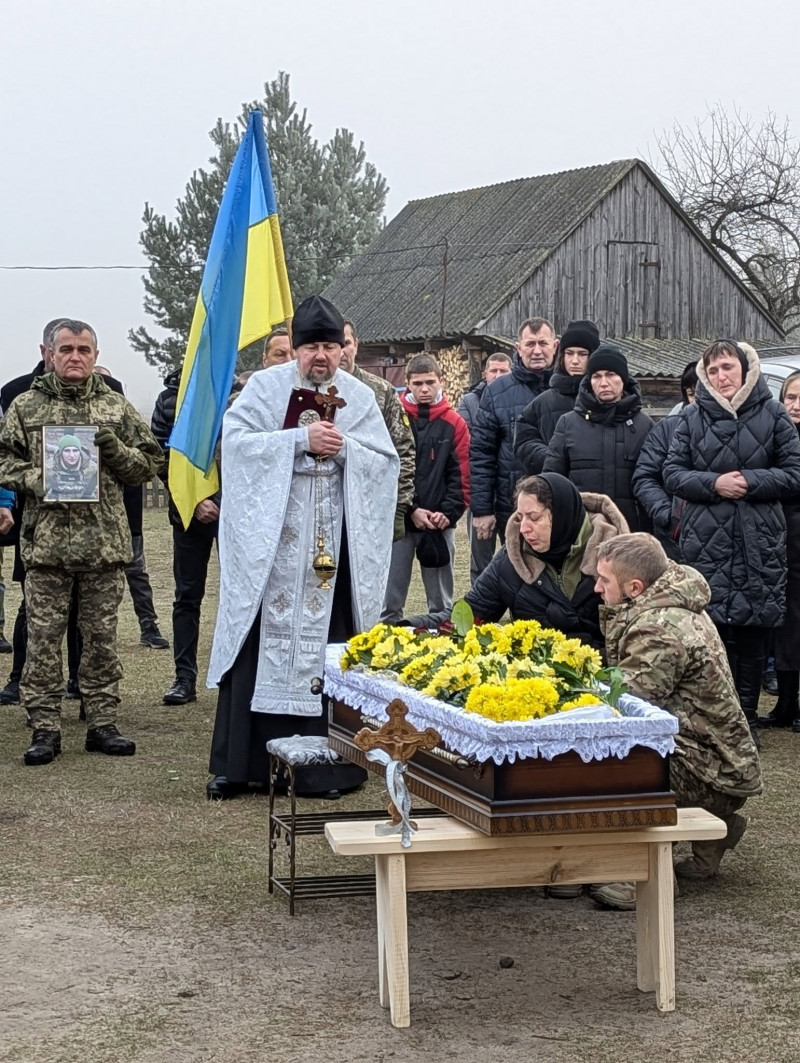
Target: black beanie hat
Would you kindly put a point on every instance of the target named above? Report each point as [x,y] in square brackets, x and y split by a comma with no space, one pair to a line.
[317,321]
[610,358]
[580,334]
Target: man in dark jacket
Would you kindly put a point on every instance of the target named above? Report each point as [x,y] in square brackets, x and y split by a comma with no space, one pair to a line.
[734,456]
[648,476]
[494,469]
[597,444]
[497,365]
[441,492]
[191,553]
[538,420]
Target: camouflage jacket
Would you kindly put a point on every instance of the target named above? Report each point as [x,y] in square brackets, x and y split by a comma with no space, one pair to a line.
[77,536]
[399,429]
[671,654]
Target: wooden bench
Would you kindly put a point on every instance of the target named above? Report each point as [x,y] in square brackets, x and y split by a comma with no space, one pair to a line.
[446,854]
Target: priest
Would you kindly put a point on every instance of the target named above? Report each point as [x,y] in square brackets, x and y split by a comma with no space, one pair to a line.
[305,536]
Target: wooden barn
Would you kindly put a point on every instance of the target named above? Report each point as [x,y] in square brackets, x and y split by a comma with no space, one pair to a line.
[458,273]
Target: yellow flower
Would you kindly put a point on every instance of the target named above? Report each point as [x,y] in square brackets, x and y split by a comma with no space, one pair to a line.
[579,701]
[516,699]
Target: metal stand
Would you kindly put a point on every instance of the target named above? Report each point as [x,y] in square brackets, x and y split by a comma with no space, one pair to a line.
[294,825]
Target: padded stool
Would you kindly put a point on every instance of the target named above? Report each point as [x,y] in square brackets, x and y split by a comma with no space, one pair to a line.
[285,756]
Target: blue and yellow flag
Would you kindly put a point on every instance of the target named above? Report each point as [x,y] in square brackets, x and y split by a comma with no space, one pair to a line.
[243,295]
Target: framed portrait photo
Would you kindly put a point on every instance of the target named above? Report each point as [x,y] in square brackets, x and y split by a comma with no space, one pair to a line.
[70,463]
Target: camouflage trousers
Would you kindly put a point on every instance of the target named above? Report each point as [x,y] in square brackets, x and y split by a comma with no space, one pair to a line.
[691,792]
[47,597]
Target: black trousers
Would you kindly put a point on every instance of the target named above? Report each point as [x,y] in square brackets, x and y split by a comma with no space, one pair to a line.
[191,551]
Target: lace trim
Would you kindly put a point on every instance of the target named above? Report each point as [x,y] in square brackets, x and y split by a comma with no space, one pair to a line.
[593,732]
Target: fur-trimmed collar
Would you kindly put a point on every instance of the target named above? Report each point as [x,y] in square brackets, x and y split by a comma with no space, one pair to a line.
[752,378]
[606,520]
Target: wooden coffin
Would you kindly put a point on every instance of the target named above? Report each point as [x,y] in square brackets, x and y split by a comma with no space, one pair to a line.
[531,795]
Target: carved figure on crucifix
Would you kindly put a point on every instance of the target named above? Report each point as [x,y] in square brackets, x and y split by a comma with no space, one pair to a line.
[394,744]
[330,401]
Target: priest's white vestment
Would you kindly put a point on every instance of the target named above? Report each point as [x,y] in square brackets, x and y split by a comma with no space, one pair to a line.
[271,504]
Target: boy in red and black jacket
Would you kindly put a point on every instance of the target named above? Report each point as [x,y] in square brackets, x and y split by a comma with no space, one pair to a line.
[441,492]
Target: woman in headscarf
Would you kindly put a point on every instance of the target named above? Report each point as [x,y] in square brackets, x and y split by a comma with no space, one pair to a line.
[734,458]
[546,570]
[787,638]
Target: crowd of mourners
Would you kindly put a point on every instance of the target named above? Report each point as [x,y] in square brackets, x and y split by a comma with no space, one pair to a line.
[673,548]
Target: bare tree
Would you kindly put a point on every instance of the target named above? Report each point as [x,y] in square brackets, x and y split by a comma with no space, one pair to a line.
[739,182]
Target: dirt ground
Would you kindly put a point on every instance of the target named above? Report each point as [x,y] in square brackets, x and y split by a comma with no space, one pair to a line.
[136,926]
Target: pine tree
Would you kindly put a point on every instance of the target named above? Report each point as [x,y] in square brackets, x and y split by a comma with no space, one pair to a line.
[330,202]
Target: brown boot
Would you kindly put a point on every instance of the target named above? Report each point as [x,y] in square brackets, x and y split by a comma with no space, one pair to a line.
[706,858]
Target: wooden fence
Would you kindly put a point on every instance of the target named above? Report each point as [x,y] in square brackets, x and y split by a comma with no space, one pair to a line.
[155,494]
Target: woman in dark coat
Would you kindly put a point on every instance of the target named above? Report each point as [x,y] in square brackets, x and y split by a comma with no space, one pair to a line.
[537,422]
[546,570]
[787,637]
[597,444]
[734,458]
[648,476]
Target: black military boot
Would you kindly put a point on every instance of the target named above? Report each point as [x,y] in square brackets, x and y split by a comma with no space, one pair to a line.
[44,748]
[152,637]
[749,673]
[9,695]
[181,692]
[108,740]
[787,707]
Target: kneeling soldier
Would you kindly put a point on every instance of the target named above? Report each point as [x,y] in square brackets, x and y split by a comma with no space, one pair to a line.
[670,653]
[74,545]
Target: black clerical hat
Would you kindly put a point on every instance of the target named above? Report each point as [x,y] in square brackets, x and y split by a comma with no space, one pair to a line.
[317,321]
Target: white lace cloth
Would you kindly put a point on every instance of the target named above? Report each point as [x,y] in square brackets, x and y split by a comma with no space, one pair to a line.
[593,732]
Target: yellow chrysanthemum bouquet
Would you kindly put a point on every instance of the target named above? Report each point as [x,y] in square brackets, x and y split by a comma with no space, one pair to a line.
[518,671]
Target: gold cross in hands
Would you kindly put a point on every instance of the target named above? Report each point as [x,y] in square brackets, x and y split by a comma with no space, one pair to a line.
[330,401]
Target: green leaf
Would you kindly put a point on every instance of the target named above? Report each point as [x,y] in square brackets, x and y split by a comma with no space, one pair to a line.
[462,617]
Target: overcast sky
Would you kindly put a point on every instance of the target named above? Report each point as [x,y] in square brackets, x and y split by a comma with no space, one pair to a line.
[107,105]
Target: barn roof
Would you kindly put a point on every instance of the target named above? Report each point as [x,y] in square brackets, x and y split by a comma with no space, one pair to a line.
[467,250]
[445,264]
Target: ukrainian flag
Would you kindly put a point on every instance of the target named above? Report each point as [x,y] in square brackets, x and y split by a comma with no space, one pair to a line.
[243,295]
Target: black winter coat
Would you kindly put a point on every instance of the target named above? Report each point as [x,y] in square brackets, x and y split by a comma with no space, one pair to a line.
[493,466]
[538,421]
[519,582]
[648,485]
[597,444]
[739,545]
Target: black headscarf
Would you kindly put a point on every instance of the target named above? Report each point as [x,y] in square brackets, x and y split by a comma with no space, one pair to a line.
[568,517]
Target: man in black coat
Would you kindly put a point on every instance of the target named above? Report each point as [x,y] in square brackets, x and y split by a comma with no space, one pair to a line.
[597,444]
[494,469]
[538,420]
[496,365]
[191,553]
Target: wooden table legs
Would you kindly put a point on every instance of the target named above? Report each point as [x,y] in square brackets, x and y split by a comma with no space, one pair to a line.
[655,928]
[655,941]
[390,883]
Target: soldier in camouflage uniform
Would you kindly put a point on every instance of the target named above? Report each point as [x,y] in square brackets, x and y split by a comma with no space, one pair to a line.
[74,545]
[670,653]
[396,421]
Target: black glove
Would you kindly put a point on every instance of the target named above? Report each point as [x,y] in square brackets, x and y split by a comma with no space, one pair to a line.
[109,445]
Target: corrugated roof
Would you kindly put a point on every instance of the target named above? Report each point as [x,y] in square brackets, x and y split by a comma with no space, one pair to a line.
[492,238]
